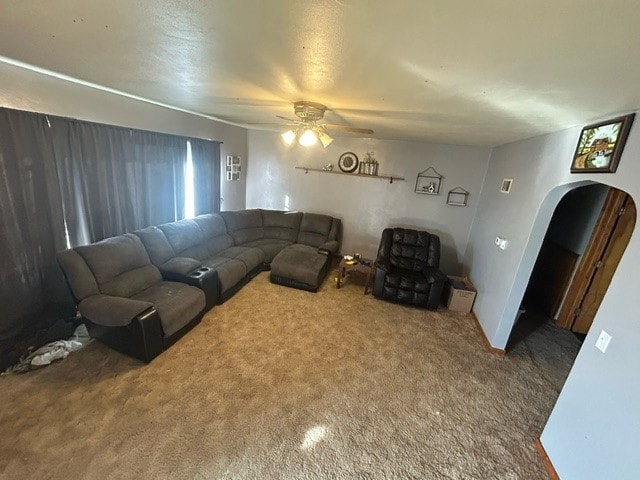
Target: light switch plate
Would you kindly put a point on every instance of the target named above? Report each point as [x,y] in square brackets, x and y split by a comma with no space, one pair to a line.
[603,341]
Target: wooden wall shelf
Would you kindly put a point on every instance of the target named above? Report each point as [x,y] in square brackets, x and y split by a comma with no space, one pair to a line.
[391,178]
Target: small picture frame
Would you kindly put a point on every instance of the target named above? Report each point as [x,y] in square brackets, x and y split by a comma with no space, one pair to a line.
[600,146]
[233,168]
[233,160]
[506,185]
[458,197]
[428,182]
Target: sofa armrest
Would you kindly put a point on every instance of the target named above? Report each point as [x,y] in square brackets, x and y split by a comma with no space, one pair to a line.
[179,266]
[190,271]
[112,311]
[329,248]
[434,275]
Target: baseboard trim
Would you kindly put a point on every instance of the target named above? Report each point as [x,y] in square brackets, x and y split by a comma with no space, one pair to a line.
[496,351]
[546,461]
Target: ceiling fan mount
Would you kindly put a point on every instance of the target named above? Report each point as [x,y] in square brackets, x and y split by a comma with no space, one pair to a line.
[309,111]
[308,128]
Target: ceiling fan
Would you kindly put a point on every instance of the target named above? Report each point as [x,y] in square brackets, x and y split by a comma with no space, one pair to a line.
[308,128]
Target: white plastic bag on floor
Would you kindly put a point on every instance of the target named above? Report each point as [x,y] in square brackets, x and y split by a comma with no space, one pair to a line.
[52,351]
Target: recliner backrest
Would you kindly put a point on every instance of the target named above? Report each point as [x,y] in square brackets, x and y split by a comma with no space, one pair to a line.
[119,265]
[244,225]
[281,225]
[156,244]
[215,232]
[186,238]
[316,229]
[414,249]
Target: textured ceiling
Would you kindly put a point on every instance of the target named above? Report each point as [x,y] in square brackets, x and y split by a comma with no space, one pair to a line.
[461,72]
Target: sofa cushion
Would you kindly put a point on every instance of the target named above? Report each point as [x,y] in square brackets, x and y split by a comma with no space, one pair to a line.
[180,265]
[129,283]
[199,252]
[269,247]
[251,257]
[244,225]
[176,303]
[300,263]
[79,277]
[113,257]
[156,244]
[314,229]
[230,271]
[211,225]
[183,235]
[219,243]
[281,225]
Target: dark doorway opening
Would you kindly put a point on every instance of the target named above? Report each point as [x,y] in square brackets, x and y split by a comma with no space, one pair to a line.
[584,242]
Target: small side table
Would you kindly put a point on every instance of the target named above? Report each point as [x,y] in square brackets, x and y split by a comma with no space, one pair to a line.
[364,266]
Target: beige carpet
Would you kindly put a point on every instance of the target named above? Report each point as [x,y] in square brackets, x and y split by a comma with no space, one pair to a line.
[280,383]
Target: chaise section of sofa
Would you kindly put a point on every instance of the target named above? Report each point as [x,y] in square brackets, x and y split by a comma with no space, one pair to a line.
[124,298]
[305,263]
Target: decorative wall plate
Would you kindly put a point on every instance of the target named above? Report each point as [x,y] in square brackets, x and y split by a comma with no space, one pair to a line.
[348,162]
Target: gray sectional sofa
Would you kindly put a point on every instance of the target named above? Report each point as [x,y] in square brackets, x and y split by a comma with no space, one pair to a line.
[140,292]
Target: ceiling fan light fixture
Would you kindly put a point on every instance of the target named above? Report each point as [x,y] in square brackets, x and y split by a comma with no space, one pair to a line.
[289,136]
[324,137]
[308,138]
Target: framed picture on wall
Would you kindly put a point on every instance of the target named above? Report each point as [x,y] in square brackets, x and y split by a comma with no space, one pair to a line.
[233,167]
[600,146]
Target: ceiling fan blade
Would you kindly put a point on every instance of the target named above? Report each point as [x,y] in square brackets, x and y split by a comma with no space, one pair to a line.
[277,124]
[345,128]
[287,119]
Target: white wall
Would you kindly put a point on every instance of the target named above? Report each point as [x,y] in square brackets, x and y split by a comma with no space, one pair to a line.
[594,428]
[366,206]
[27,90]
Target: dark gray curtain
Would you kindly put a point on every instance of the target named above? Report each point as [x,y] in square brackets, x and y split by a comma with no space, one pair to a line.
[66,183]
[115,180]
[206,171]
[31,222]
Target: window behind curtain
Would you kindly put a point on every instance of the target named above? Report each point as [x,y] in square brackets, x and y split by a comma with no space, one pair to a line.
[66,182]
[206,172]
[115,180]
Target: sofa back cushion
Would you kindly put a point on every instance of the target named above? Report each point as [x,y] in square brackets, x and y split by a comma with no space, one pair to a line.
[156,244]
[78,274]
[414,250]
[215,232]
[281,225]
[244,225]
[120,265]
[317,229]
[183,235]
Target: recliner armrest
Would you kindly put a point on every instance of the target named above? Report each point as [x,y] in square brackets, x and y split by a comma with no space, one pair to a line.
[111,311]
[329,248]
[190,271]
[179,266]
[434,275]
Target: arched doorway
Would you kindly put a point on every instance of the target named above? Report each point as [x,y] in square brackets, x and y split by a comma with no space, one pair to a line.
[584,241]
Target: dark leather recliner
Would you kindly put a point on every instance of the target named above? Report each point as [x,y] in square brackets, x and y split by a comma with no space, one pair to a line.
[407,268]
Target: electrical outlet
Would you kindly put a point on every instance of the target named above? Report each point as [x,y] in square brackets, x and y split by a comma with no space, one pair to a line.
[603,341]
[503,244]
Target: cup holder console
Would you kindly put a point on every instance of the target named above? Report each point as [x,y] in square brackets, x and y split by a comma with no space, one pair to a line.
[200,272]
